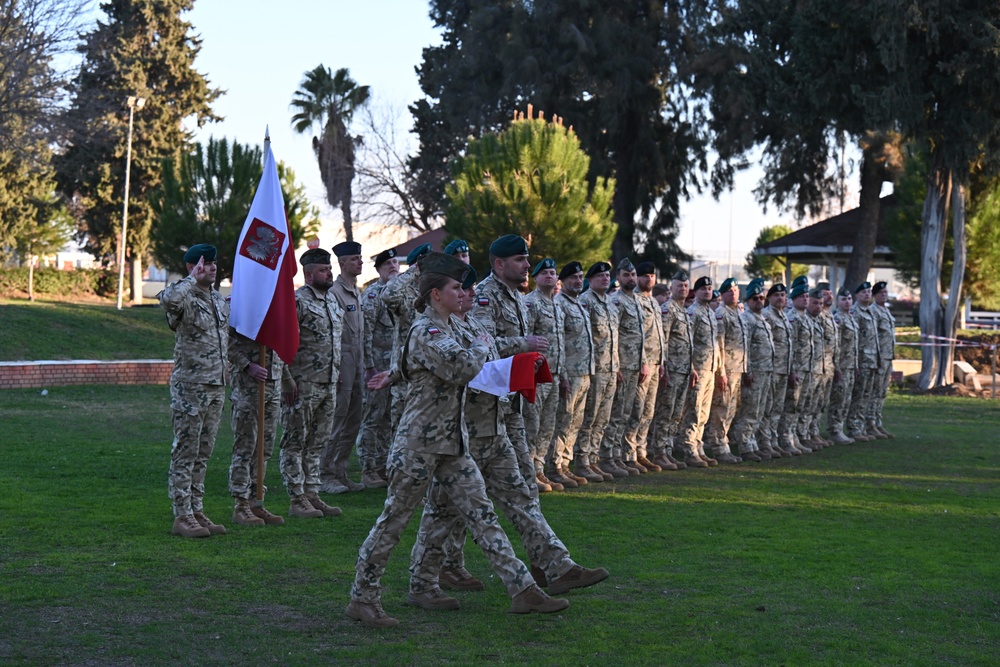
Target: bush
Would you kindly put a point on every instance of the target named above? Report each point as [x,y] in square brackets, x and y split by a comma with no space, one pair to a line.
[53,282]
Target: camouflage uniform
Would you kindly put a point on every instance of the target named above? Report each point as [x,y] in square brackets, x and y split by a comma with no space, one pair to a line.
[754,395]
[831,339]
[802,359]
[578,367]
[375,434]
[631,345]
[431,443]
[347,418]
[847,364]
[199,319]
[813,399]
[654,356]
[768,436]
[544,319]
[501,311]
[398,297]
[308,422]
[724,403]
[861,413]
[600,398]
[244,397]
[672,398]
[441,536]
[886,325]
[706,358]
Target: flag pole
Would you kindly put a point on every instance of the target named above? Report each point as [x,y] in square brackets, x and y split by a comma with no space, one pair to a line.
[261,398]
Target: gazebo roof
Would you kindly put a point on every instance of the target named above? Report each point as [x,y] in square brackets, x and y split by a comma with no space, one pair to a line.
[832,240]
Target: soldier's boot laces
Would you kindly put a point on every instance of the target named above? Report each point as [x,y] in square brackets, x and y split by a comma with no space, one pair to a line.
[432,600]
[327,510]
[372,480]
[301,507]
[269,518]
[187,526]
[370,614]
[651,466]
[244,516]
[534,599]
[459,580]
[205,522]
[577,577]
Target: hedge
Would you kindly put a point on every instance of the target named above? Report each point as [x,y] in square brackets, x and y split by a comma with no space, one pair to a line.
[51,281]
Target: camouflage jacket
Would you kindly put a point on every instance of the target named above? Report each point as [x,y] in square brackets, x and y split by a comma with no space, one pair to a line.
[545,319]
[760,343]
[781,333]
[321,321]
[577,338]
[801,341]
[818,365]
[677,336]
[706,352]
[734,336]
[484,412]
[885,323]
[200,321]
[437,368]
[398,297]
[379,328]
[831,340]
[603,329]
[502,313]
[847,343]
[353,336]
[868,350]
[631,338]
[242,351]
[654,351]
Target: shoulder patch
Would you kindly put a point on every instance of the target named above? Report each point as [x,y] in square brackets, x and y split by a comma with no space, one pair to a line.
[372,295]
[351,308]
[484,301]
[433,330]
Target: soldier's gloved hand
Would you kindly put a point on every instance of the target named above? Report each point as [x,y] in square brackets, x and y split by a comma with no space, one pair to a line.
[537,343]
[257,372]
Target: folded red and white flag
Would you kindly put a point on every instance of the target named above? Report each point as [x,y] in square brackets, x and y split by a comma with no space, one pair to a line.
[512,374]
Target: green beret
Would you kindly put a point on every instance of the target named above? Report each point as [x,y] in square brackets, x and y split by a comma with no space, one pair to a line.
[715,294]
[776,288]
[816,293]
[754,288]
[800,280]
[314,256]
[346,249]
[456,246]
[416,253]
[798,290]
[547,263]
[704,281]
[756,281]
[863,286]
[470,279]
[597,267]
[570,269]
[728,284]
[508,246]
[645,269]
[447,265]
[196,252]
[384,257]
[626,265]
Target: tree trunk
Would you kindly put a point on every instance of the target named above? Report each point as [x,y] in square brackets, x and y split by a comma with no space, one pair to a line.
[872,175]
[345,208]
[31,277]
[626,191]
[953,310]
[136,281]
[932,236]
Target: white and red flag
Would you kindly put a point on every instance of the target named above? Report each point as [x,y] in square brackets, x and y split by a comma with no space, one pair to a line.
[262,307]
[517,373]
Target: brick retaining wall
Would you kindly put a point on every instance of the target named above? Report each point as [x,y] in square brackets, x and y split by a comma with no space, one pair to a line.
[41,374]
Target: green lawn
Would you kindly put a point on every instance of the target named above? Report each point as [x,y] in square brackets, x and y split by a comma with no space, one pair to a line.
[875,554]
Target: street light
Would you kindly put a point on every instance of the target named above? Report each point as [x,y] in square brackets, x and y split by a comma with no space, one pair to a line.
[133,103]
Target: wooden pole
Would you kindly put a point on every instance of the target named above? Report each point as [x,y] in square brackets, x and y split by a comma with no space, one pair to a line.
[261,407]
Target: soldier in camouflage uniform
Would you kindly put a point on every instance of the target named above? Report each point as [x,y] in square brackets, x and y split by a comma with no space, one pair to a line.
[859,416]
[432,444]
[886,325]
[706,359]
[801,342]
[654,355]
[500,309]
[847,368]
[544,319]
[574,383]
[734,343]
[600,398]
[831,340]
[199,317]
[811,396]
[633,371]
[755,385]
[768,436]
[246,374]
[375,434]
[306,419]
[678,377]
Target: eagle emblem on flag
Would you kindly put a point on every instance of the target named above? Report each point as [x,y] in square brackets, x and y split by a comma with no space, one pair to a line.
[263,244]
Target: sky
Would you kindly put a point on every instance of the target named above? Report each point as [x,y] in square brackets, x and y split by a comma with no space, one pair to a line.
[258,50]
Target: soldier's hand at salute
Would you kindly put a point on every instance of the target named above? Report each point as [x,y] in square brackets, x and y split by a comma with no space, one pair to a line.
[257,372]
[537,343]
[199,271]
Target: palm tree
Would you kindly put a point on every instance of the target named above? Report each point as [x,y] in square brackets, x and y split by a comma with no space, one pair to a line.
[328,101]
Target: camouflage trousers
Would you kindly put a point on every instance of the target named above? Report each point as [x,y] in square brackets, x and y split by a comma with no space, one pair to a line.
[820,399]
[397,393]
[306,426]
[641,418]
[803,408]
[243,468]
[789,427]
[671,400]
[840,401]
[621,410]
[750,415]
[696,416]
[569,418]
[768,434]
[596,416]
[410,476]
[861,412]
[375,434]
[196,410]
[441,536]
[540,421]
[883,379]
[722,413]
[344,432]
[518,436]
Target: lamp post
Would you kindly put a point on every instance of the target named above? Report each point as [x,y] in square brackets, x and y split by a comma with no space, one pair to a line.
[133,103]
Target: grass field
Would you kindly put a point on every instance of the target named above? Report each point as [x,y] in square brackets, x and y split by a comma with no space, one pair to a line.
[876,554]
